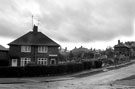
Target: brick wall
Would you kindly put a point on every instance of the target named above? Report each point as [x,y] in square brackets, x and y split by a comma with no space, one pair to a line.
[15,52]
[3,55]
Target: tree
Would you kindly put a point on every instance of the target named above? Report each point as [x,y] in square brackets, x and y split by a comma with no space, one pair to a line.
[71,55]
[110,52]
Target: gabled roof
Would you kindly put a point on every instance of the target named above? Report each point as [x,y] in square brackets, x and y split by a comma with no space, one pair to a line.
[122,45]
[34,38]
[3,48]
[132,45]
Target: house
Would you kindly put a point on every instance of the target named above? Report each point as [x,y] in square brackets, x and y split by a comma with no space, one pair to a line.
[122,49]
[3,56]
[88,55]
[132,46]
[33,47]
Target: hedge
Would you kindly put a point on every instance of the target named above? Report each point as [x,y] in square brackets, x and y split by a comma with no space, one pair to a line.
[87,65]
[4,63]
[35,71]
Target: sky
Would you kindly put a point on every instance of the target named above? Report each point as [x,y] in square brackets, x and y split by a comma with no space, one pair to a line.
[88,23]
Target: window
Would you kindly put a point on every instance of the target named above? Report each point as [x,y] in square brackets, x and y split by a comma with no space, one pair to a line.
[42,61]
[25,48]
[42,49]
[25,61]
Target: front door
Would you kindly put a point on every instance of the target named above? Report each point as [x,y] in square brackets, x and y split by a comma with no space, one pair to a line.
[53,61]
[14,62]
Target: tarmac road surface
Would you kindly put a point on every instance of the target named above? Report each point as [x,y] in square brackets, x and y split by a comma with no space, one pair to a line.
[102,80]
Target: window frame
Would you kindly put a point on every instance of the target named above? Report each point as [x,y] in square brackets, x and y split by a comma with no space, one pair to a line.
[42,49]
[42,61]
[26,48]
[24,61]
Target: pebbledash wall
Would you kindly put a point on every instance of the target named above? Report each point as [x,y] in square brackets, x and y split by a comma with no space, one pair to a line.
[33,48]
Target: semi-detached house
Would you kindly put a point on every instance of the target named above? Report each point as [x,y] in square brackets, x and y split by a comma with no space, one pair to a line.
[33,47]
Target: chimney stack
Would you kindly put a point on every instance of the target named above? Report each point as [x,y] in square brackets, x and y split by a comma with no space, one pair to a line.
[35,28]
[118,41]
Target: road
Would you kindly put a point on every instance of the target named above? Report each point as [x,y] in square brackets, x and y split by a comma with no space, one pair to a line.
[99,81]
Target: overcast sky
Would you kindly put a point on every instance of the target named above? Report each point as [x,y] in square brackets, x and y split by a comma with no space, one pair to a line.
[90,23]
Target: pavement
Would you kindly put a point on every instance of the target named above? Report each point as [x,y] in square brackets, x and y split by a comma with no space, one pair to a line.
[61,77]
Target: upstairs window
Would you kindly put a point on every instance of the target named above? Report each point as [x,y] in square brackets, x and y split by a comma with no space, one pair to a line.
[25,48]
[42,49]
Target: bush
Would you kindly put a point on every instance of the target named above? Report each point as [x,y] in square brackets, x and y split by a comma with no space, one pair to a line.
[11,72]
[97,64]
[87,65]
[32,71]
[61,69]
[4,63]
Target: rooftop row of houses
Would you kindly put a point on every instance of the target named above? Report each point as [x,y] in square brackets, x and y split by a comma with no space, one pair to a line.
[127,48]
[33,47]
